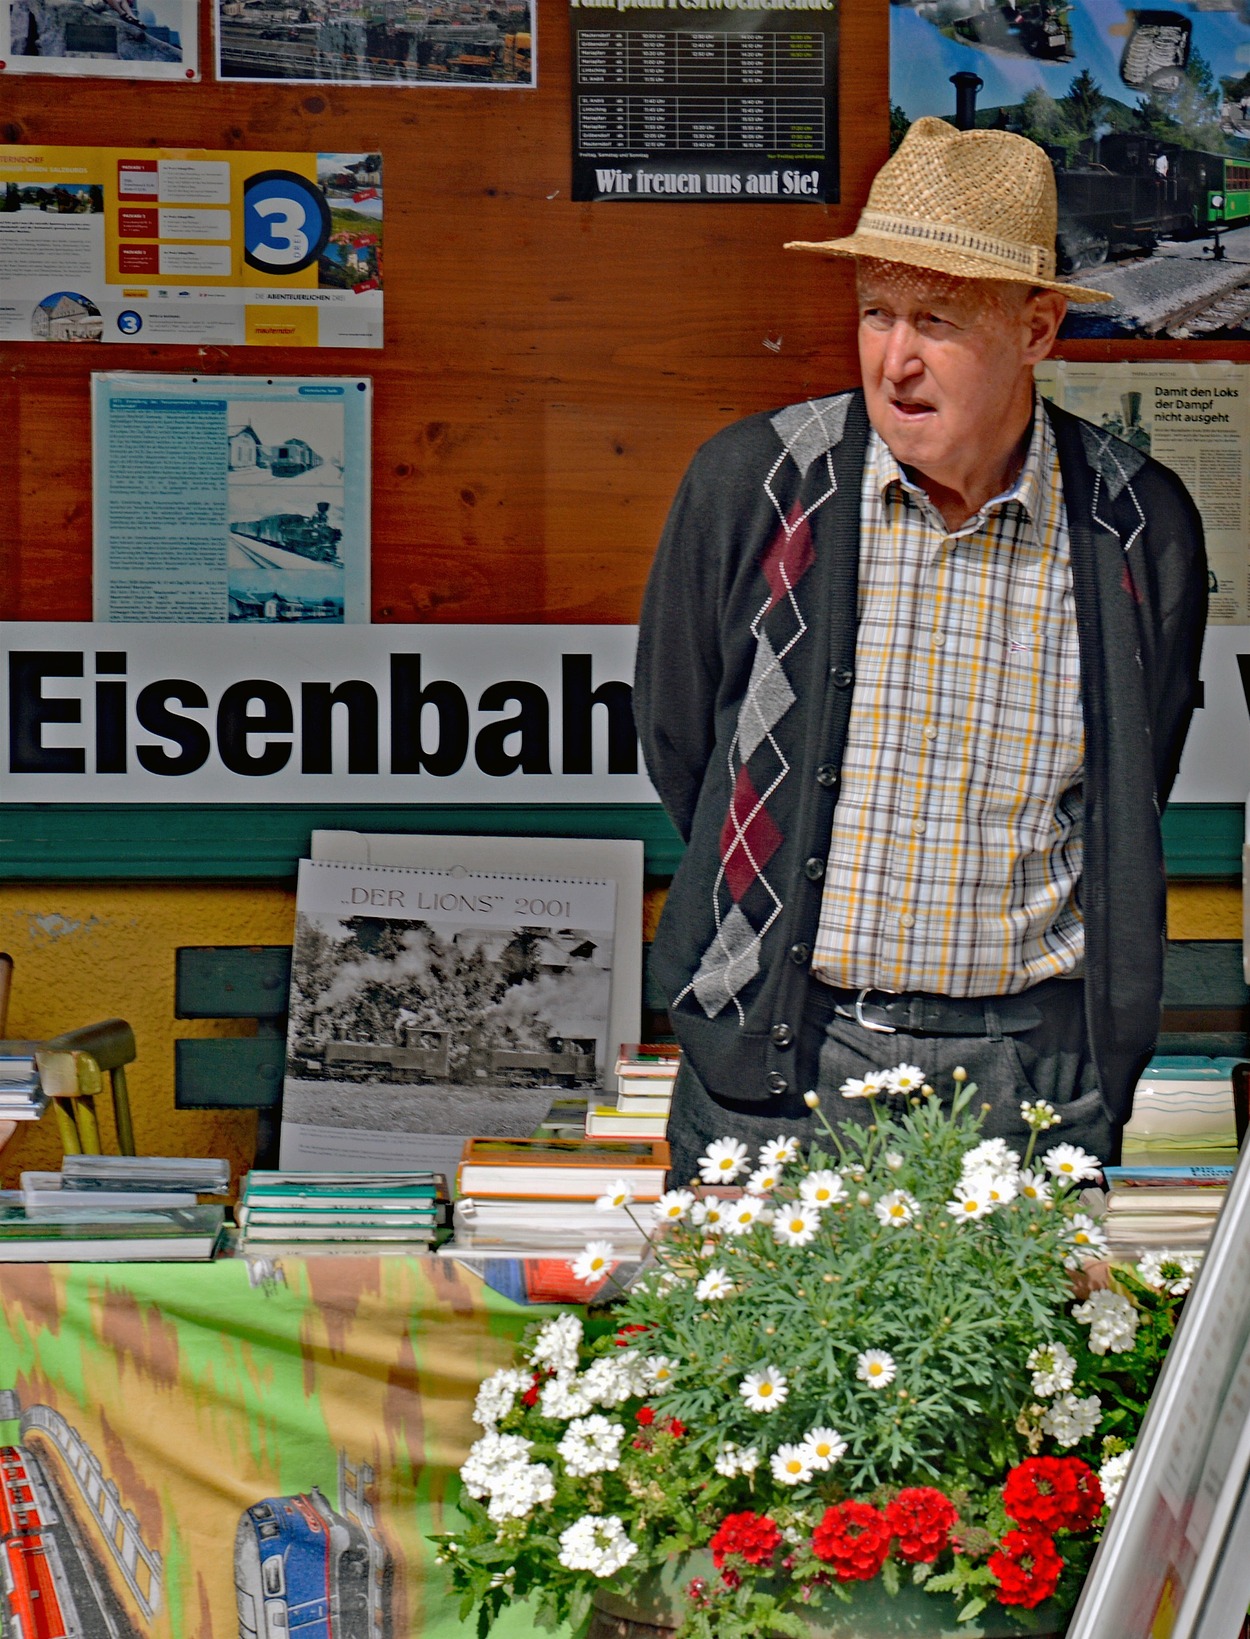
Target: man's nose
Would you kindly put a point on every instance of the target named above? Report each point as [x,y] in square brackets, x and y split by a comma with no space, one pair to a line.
[902,351]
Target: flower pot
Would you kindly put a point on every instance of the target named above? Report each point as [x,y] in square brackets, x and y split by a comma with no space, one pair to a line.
[653,1611]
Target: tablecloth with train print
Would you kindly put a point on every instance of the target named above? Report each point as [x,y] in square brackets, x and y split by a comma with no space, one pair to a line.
[188,1451]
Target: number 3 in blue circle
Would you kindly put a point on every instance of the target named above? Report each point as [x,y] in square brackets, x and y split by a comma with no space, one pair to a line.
[286,222]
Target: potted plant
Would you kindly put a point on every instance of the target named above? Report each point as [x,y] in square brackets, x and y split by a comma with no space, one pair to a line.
[866,1391]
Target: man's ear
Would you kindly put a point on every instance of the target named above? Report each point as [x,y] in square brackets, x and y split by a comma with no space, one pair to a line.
[1043,314]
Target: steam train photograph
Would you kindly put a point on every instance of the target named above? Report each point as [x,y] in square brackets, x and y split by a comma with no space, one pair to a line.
[301,1571]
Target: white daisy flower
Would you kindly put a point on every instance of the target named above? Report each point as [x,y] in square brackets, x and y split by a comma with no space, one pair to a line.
[796,1225]
[557,1344]
[990,1155]
[897,1208]
[1053,1369]
[672,1206]
[1112,1322]
[591,1445]
[824,1446]
[905,1078]
[779,1152]
[871,1086]
[894,1161]
[715,1284]
[1070,1420]
[596,1543]
[595,1263]
[724,1160]
[743,1214]
[823,1188]
[970,1200]
[1070,1164]
[876,1368]
[765,1389]
[1111,1475]
[709,1215]
[999,1187]
[791,1465]
[1033,1186]
[1170,1272]
[763,1180]
[1087,1240]
[617,1194]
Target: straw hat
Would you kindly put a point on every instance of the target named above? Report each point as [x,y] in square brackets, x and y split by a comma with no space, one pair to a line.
[974,204]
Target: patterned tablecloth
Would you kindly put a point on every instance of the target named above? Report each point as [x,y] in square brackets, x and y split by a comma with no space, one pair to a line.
[188,1455]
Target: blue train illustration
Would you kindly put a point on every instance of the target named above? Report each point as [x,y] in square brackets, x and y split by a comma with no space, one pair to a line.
[301,1571]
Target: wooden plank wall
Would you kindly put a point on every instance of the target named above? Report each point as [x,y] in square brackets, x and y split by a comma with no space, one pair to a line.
[549,367]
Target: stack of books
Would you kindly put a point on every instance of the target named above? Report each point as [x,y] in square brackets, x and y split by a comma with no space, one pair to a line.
[314,1214]
[1151,1207]
[21,1096]
[523,1197]
[645,1073]
[1183,1112]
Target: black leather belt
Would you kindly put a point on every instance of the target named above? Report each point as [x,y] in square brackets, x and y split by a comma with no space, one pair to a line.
[918,1014]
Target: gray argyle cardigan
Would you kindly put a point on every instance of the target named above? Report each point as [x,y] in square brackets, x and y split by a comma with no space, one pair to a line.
[745,685]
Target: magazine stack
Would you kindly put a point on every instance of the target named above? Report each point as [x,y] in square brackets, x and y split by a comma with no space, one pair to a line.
[21,1096]
[313,1214]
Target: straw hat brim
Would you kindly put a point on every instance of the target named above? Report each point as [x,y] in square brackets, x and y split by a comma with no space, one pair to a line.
[940,259]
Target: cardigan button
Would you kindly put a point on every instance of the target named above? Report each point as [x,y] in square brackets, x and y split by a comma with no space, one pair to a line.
[777,1083]
[815,868]
[827,775]
[799,954]
[843,677]
[782,1034]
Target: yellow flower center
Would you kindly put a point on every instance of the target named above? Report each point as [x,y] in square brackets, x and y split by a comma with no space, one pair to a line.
[794,1466]
[875,1370]
[970,1206]
[797,1225]
[764,1390]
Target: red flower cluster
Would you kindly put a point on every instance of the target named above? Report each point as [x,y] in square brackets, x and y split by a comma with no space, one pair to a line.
[921,1518]
[625,1336]
[1053,1494]
[644,1416]
[854,1538]
[530,1397]
[1027,1568]
[754,1536]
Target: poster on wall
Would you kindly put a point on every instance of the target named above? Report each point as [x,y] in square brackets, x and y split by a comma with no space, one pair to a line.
[235,498]
[118,39]
[736,103]
[1195,418]
[1146,118]
[360,42]
[189,246]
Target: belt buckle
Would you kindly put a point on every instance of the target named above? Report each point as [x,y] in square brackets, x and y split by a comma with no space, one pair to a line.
[867,1024]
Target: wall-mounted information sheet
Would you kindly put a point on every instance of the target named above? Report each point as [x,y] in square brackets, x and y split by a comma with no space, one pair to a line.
[231,498]
[682,103]
[113,39]
[190,246]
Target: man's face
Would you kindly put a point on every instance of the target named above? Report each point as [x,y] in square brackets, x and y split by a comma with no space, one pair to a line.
[945,364]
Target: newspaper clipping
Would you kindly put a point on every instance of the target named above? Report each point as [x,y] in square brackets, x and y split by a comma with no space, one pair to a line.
[1195,418]
[117,39]
[234,498]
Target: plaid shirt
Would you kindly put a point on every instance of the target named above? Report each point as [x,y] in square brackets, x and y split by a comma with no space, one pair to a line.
[956,844]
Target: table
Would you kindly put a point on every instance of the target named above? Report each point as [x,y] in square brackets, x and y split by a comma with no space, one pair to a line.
[207,1453]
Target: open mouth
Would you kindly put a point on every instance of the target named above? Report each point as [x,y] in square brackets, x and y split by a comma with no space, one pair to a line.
[911,409]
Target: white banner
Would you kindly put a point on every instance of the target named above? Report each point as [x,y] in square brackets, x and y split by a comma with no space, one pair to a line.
[203,713]
[200,713]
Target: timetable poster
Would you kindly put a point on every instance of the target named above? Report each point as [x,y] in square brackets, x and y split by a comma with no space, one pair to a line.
[735,100]
[190,246]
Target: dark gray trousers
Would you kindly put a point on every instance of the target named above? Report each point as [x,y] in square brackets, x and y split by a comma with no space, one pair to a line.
[1050,1061]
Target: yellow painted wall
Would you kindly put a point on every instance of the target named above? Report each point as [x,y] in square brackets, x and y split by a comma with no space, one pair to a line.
[84,953]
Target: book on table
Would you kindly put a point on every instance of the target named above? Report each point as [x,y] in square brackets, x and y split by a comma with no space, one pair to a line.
[87,1235]
[605,1121]
[568,1168]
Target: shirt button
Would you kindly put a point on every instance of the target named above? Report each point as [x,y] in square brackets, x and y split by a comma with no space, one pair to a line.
[827,775]
[938,640]
[777,1083]
[930,733]
[815,868]
[799,954]
[918,828]
[843,677]
[782,1035]
[907,919]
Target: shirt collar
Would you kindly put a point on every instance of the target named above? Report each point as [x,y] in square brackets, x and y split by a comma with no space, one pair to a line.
[1029,488]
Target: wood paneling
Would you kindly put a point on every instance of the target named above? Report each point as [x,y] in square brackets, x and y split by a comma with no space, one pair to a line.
[549,367]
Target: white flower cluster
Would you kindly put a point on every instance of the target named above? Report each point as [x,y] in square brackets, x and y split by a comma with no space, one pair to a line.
[591,1445]
[557,1344]
[1111,1475]
[1053,1368]
[596,1543]
[1070,1419]
[732,1460]
[819,1449]
[498,1467]
[903,1080]
[989,1179]
[1039,1115]
[1171,1272]
[1112,1322]
[497,1394]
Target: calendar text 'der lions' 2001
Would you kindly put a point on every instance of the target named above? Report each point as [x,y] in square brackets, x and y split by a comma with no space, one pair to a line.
[915,669]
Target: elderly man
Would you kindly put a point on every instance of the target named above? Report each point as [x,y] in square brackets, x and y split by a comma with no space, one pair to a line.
[915,670]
